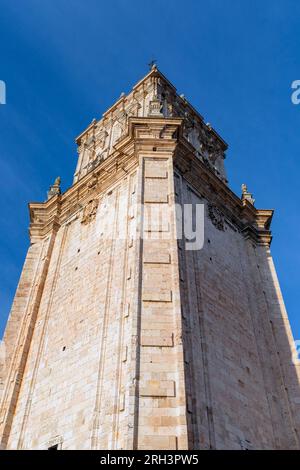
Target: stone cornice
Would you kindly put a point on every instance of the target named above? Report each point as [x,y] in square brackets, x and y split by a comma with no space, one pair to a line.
[44,217]
[253,223]
[152,134]
[156,133]
[49,215]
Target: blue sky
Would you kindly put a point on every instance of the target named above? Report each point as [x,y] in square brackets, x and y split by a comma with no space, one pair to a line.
[65,62]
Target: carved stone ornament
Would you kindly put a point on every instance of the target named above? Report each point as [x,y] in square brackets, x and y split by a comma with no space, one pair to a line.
[89,212]
[216,216]
[54,189]
[92,183]
[155,107]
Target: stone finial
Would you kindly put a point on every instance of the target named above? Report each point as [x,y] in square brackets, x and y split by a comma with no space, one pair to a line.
[54,189]
[244,189]
[246,196]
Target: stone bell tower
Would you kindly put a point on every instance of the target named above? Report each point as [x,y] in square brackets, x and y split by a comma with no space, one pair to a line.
[119,336]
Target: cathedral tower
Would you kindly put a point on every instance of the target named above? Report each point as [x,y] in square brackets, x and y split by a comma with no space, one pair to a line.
[124,333]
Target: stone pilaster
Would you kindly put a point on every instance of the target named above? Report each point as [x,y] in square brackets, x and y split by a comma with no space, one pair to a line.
[158,390]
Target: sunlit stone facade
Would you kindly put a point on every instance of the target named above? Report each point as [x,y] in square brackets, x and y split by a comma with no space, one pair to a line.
[119,336]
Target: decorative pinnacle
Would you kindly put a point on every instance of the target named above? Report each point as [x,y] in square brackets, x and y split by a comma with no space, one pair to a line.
[244,188]
[246,196]
[57,181]
[54,189]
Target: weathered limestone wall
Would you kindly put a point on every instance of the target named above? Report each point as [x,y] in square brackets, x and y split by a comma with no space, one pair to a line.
[236,384]
[281,334]
[105,367]
[21,298]
[20,327]
[17,310]
[74,384]
[104,361]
